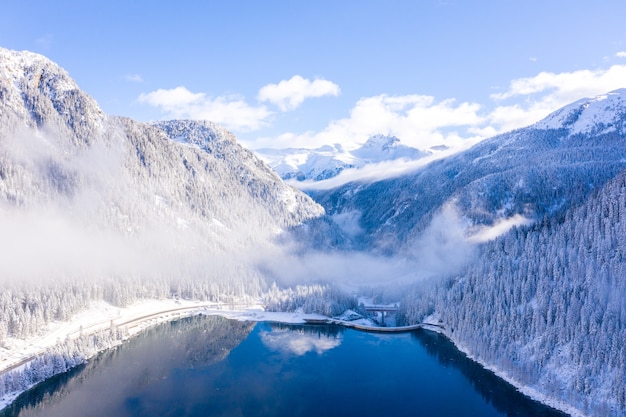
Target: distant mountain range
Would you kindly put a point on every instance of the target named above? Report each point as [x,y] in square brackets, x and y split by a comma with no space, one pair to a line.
[330,160]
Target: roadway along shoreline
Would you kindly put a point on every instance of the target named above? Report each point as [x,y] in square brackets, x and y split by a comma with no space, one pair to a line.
[106,324]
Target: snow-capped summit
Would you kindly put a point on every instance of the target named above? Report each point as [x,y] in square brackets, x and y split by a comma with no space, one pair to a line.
[330,160]
[39,92]
[602,114]
[384,148]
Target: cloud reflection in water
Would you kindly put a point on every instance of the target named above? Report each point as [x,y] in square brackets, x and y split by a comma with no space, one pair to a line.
[299,342]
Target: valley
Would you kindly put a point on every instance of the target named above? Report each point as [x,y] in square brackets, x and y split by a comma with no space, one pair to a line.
[514,246]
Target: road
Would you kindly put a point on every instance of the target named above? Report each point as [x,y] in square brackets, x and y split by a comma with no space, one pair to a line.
[104,325]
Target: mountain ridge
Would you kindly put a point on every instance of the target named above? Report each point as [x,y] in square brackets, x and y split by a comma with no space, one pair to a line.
[529,172]
[62,156]
[328,161]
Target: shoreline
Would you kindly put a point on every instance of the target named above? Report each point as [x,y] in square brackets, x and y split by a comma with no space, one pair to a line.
[142,315]
[526,390]
[16,354]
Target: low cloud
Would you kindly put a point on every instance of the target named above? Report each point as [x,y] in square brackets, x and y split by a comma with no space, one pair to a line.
[71,212]
[233,112]
[290,94]
[621,54]
[443,248]
[486,233]
[440,250]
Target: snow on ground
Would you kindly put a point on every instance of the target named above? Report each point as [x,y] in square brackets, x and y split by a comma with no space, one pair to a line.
[256,313]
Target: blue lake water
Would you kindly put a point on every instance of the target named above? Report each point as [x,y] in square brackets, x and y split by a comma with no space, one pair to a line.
[211,366]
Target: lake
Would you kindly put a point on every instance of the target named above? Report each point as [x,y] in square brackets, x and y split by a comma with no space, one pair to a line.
[212,366]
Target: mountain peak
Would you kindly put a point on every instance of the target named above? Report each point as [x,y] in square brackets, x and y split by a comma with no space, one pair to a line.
[382,142]
[330,160]
[38,91]
[384,148]
[601,114]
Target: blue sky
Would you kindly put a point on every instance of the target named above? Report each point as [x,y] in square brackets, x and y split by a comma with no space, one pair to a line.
[306,73]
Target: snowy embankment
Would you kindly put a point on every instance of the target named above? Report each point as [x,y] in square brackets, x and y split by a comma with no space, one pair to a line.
[530,392]
[16,354]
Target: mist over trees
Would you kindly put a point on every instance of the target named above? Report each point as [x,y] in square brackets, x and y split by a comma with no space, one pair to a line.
[532,172]
[94,207]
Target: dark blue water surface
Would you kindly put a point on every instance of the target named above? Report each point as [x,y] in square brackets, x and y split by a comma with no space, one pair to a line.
[211,366]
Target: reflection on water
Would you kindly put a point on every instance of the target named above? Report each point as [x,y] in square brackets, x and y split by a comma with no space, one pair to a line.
[502,395]
[210,366]
[132,368]
[299,340]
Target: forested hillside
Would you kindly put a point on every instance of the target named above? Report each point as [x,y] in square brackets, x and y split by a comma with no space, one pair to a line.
[547,304]
[532,172]
[99,207]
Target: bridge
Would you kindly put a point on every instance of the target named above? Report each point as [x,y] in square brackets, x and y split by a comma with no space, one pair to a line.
[382,310]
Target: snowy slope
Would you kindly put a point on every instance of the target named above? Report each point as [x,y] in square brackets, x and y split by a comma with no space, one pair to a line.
[531,172]
[598,115]
[93,197]
[52,131]
[330,160]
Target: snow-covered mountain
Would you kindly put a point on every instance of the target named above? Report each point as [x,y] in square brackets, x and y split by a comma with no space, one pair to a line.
[531,172]
[121,210]
[602,114]
[328,161]
[92,195]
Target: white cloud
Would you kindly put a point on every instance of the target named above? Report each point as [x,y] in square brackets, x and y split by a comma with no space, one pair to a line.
[621,54]
[569,85]
[422,121]
[547,92]
[231,111]
[480,234]
[418,120]
[135,78]
[289,94]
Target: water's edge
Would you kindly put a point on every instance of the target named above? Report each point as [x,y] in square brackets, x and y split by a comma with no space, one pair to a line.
[525,390]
